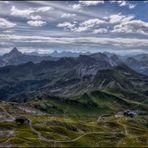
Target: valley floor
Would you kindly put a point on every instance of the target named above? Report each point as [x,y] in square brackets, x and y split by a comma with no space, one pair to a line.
[50,130]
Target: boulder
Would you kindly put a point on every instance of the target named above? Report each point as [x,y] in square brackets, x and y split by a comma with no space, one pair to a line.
[22,120]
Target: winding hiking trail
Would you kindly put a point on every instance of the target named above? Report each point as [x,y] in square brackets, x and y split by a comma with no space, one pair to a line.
[58,141]
[125,132]
[42,138]
[124,127]
[48,140]
[38,133]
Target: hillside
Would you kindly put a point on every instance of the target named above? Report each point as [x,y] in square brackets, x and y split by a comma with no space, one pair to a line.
[139,63]
[69,77]
[46,129]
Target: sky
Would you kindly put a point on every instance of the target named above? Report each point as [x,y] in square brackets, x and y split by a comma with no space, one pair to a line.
[78,26]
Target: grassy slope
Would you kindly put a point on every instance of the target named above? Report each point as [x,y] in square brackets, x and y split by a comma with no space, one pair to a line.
[85,131]
[78,121]
[89,104]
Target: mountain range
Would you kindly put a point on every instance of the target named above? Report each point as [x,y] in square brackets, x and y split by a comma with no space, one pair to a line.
[69,77]
[138,62]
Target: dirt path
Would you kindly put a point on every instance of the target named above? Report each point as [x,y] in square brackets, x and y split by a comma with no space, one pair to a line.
[48,140]
[38,133]
[40,137]
[125,132]
[124,127]
[5,111]
[58,141]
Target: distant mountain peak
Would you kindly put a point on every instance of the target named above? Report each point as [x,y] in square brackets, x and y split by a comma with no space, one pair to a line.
[15,51]
[12,55]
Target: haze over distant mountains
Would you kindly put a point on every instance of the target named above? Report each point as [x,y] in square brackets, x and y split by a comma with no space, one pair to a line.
[137,62]
[15,57]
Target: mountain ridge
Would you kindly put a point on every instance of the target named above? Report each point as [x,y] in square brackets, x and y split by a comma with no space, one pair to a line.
[67,77]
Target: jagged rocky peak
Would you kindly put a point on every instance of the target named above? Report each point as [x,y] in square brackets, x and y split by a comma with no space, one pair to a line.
[15,51]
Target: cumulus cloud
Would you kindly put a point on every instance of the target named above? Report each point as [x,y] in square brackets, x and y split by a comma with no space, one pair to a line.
[91,3]
[132,6]
[132,26]
[114,23]
[123,3]
[88,24]
[19,12]
[128,24]
[92,22]
[76,6]
[83,26]
[4,24]
[82,4]
[96,23]
[67,15]
[30,12]
[36,23]
[117,18]
[67,25]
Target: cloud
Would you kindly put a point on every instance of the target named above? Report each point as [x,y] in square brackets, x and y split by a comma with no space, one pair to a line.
[35,17]
[101,30]
[36,23]
[132,6]
[118,42]
[123,3]
[128,24]
[67,15]
[32,14]
[91,3]
[76,6]
[132,26]
[67,25]
[4,24]
[19,12]
[5,2]
[83,26]
[43,9]
[88,24]
[82,4]
[29,12]
[92,22]
[117,18]
[116,23]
